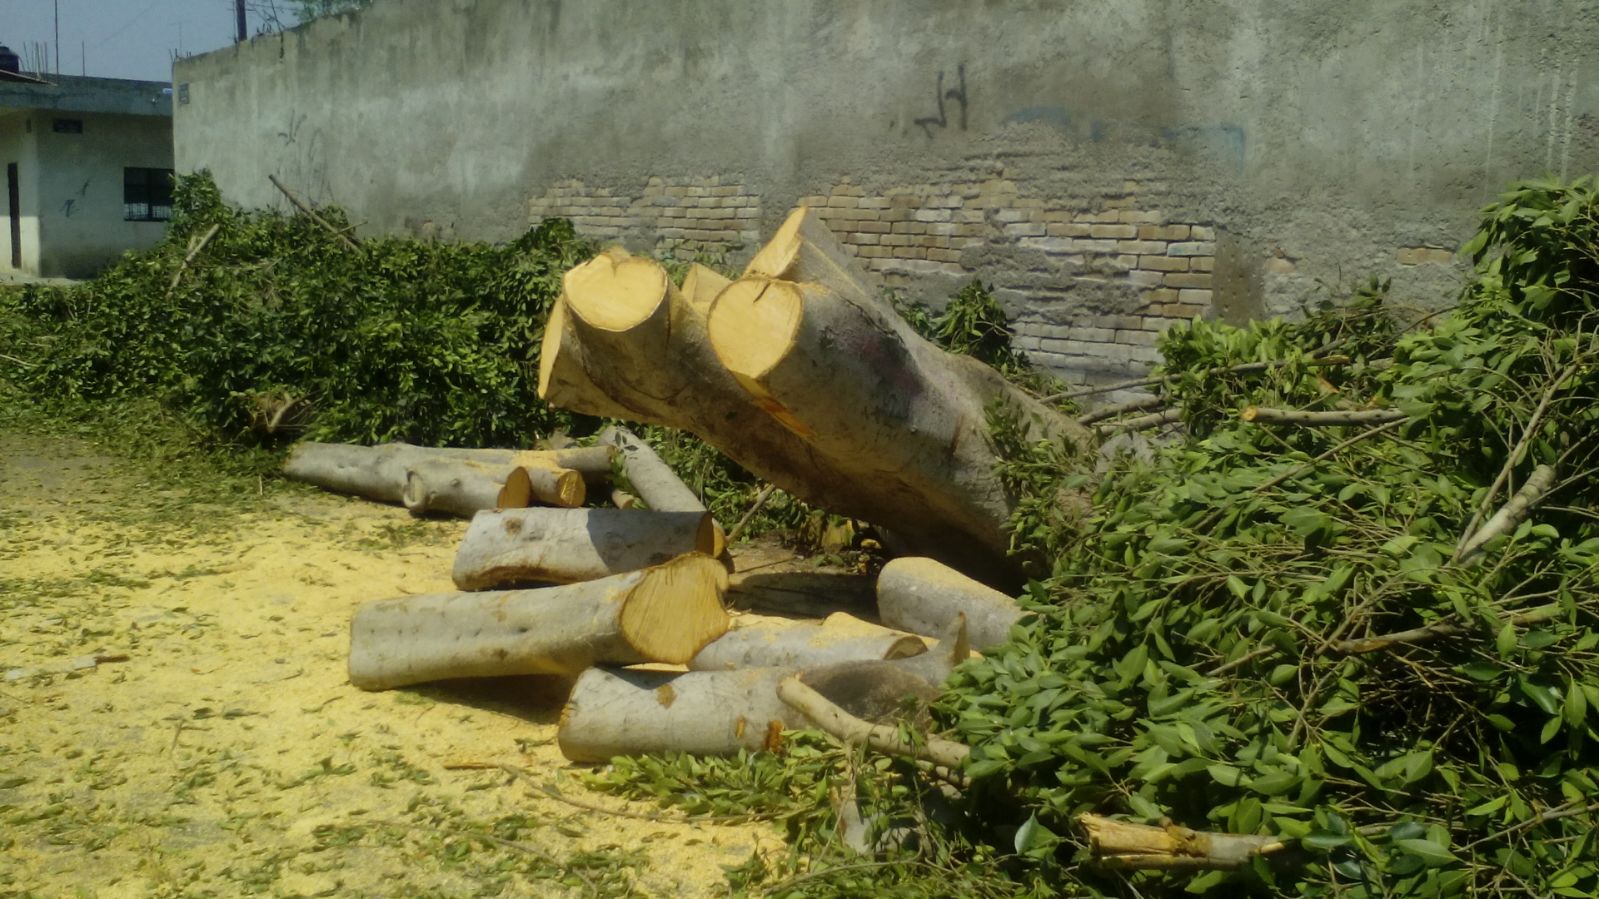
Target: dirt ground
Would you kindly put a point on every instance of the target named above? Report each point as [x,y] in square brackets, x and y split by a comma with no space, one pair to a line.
[175,718]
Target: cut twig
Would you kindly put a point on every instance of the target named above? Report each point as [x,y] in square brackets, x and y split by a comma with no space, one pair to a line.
[1514,459]
[1510,514]
[1139,405]
[1434,631]
[854,732]
[1118,844]
[1140,423]
[755,507]
[1268,416]
[194,250]
[310,213]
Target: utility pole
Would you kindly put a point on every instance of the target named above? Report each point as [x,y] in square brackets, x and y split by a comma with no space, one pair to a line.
[244,27]
[58,36]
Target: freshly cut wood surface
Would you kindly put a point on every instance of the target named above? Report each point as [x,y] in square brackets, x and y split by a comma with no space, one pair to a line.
[759,641]
[380,472]
[665,613]
[923,596]
[559,546]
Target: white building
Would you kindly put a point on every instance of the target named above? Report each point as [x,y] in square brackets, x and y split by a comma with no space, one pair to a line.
[88,170]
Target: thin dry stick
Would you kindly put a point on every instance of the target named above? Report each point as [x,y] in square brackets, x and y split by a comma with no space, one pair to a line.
[852,731]
[1434,631]
[1510,514]
[1127,846]
[189,256]
[760,501]
[346,239]
[1265,415]
[14,359]
[1296,472]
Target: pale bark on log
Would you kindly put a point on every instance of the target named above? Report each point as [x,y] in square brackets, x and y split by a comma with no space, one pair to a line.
[559,546]
[655,482]
[1125,846]
[379,472]
[813,594]
[612,713]
[456,488]
[757,641]
[665,613]
[1510,514]
[923,596]
[927,448]
[903,421]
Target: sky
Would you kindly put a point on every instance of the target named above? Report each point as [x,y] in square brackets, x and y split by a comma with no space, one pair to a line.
[125,38]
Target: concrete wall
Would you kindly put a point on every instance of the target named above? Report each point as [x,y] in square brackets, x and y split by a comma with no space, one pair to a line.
[73,224]
[1110,167]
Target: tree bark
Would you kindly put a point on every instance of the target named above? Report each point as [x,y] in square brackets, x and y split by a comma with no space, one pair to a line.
[560,546]
[612,713]
[379,472]
[923,596]
[1118,844]
[815,385]
[457,488]
[654,481]
[756,641]
[665,613]
[1267,416]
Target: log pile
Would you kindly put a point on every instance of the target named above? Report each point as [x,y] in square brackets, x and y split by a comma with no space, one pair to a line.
[800,372]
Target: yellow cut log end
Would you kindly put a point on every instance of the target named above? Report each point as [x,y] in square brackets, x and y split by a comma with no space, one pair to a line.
[676,609]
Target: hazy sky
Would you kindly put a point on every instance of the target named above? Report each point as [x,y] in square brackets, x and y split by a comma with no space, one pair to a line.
[124,38]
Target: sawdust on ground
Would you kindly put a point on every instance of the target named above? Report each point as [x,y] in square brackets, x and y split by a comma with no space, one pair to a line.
[175,718]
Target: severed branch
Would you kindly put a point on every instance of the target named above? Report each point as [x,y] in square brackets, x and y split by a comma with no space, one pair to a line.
[1268,416]
[1140,423]
[194,250]
[1434,631]
[749,516]
[310,213]
[852,731]
[1243,368]
[1509,515]
[1118,844]
[1514,459]
[1141,405]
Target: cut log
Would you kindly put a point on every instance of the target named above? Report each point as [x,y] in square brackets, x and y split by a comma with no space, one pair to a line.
[923,596]
[550,485]
[612,713]
[379,472]
[655,482]
[462,488]
[1125,846]
[560,546]
[813,594]
[665,613]
[758,641]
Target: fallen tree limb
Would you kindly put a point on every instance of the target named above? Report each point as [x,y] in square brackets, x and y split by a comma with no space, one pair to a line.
[380,472]
[310,213]
[749,516]
[561,546]
[456,488]
[852,731]
[665,613]
[1140,423]
[924,596]
[755,641]
[194,250]
[1268,416]
[653,480]
[1124,846]
[1140,405]
[1509,515]
[1436,630]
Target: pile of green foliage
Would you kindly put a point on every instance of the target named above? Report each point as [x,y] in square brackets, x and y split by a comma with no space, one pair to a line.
[1191,655]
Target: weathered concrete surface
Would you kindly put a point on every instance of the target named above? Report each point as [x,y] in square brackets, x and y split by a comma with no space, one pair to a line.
[1321,142]
[73,93]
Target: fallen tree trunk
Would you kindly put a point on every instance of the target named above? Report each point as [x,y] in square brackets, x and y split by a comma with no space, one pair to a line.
[815,385]
[813,594]
[654,481]
[612,713]
[560,546]
[923,596]
[379,472]
[666,613]
[756,641]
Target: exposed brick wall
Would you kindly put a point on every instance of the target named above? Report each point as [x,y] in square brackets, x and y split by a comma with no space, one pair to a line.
[712,213]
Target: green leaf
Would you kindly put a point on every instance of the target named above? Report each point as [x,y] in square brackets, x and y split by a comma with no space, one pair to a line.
[1429,852]
[1505,643]
[1576,706]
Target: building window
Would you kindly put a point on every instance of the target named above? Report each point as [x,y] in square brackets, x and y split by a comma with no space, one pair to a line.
[147,195]
[67,126]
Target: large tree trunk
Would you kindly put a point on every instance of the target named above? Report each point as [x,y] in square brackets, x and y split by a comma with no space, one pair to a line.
[560,546]
[758,641]
[811,381]
[923,596]
[613,713]
[380,472]
[666,613]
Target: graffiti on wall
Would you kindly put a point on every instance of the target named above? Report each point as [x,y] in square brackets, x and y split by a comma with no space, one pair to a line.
[957,94]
